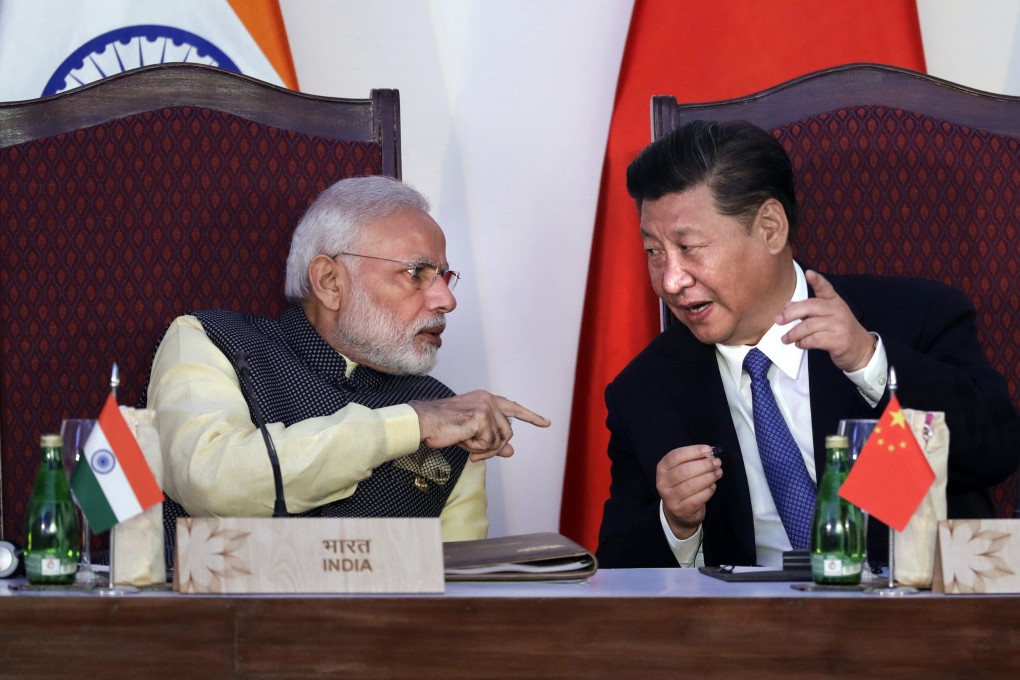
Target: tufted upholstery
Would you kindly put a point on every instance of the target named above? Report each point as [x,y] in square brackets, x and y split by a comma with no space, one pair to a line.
[901,174]
[110,230]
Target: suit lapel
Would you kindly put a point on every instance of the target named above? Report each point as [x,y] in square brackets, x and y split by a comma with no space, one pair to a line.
[699,399]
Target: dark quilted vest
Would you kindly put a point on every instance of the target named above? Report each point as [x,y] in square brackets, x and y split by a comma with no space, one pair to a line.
[297,375]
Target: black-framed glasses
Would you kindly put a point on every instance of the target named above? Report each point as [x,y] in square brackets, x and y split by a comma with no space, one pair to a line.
[422,274]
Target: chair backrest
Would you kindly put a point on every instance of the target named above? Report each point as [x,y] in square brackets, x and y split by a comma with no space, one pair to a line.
[899,173]
[130,201]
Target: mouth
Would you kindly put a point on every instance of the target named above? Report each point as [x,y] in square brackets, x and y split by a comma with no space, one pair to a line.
[694,312]
[432,333]
[696,308]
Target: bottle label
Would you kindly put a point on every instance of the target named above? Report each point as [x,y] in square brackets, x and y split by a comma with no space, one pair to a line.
[836,565]
[51,565]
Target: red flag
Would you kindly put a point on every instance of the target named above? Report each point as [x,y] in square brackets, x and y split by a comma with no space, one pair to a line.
[699,50]
[891,475]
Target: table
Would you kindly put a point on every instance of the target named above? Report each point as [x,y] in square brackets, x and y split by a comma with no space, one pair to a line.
[642,623]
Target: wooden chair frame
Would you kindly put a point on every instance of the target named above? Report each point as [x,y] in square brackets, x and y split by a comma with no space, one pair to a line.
[373,121]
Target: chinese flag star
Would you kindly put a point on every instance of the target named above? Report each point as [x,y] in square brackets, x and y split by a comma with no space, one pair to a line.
[891,475]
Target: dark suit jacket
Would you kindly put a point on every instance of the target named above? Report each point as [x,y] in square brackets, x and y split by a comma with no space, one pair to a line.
[672,395]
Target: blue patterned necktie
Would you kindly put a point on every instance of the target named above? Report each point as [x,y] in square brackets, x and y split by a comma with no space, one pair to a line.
[791,487]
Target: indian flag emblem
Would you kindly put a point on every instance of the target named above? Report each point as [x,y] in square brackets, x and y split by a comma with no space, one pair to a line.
[117,483]
[103,462]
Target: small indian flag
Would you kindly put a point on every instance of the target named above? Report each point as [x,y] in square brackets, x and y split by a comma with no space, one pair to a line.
[113,482]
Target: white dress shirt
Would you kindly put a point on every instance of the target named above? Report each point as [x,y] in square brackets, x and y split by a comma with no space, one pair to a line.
[789,379]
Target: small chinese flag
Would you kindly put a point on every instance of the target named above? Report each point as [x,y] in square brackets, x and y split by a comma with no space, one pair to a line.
[891,475]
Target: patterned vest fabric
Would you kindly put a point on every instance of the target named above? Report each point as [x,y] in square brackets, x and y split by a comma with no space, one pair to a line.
[297,375]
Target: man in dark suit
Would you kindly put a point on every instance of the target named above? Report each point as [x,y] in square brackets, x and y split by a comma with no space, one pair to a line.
[718,211]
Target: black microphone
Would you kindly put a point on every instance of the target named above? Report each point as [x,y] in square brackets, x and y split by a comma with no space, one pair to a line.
[244,372]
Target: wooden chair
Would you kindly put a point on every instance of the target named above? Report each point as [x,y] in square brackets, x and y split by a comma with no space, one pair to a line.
[130,201]
[899,173]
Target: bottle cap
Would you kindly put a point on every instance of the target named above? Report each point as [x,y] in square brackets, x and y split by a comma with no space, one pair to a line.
[51,440]
[837,441]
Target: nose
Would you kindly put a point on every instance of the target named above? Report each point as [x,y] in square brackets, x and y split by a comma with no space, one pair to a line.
[675,277]
[439,296]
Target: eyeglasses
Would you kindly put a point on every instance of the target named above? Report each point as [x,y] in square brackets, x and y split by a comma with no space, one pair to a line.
[422,274]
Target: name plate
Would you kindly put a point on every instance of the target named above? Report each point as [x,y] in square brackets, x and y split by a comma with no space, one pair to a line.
[308,555]
[977,556]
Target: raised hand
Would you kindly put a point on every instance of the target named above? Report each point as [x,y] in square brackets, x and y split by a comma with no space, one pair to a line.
[478,422]
[828,324]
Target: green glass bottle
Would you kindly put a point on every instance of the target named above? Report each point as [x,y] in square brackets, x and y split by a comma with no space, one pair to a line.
[54,534]
[837,532]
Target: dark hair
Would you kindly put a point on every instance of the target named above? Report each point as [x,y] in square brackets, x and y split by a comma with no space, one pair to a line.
[742,164]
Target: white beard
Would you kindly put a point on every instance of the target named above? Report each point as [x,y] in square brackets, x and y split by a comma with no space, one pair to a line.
[375,337]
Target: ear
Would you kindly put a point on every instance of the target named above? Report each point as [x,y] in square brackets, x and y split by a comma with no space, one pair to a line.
[773,225]
[329,282]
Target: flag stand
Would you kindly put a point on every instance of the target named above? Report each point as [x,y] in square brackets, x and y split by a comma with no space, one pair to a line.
[111,589]
[891,589]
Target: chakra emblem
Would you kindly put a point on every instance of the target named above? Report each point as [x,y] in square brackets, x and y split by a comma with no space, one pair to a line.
[132,47]
[103,462]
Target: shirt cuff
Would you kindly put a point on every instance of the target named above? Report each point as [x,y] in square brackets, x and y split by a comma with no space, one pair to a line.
[685,550]
[871,380]
[400,425]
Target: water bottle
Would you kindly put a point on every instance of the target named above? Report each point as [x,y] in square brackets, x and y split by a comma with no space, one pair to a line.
[54,535]
[837,530]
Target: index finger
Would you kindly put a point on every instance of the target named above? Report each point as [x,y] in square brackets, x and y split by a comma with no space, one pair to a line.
[511,409]
[823,288]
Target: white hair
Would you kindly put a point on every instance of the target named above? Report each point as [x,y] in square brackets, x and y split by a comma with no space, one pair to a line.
[333,222]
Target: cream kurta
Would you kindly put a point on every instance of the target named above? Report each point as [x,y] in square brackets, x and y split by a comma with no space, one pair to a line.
[215,460]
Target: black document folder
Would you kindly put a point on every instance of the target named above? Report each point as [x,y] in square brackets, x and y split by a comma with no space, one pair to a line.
[525,557]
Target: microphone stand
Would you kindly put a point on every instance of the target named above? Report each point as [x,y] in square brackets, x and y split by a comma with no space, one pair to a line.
[244,373]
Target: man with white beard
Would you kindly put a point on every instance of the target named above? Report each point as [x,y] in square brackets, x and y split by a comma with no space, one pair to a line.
[341,379]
